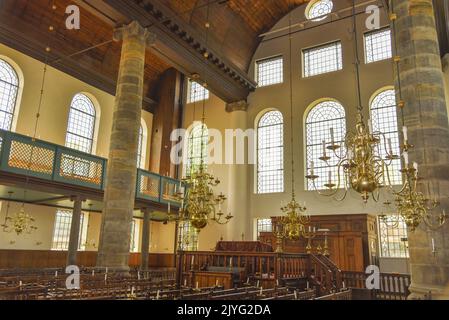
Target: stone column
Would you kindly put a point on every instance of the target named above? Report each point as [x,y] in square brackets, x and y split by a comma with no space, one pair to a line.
[122,166]
[238,192]
[74,231]
[145,250]
[421,76]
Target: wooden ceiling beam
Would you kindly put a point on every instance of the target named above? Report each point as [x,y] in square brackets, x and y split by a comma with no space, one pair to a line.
[185,48]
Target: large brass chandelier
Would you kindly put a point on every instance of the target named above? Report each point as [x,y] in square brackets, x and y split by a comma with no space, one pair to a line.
[413,206]
[360,166]
[199,203]
[293,224]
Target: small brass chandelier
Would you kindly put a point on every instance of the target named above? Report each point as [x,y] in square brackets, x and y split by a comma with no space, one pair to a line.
[292,225]
[359,164]
[20,223]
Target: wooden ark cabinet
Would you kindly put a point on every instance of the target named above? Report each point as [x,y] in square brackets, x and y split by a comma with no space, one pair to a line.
[352,240]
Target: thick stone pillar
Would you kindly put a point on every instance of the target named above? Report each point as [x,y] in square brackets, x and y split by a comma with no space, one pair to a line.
[238,192]
[74,231]
[145,250]
[122,166]
[426,116]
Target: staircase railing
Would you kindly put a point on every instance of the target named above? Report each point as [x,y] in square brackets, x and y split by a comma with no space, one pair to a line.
[337,273]
[321,275]
[393,286]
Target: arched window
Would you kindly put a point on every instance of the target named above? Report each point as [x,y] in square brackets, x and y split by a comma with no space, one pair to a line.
[140,159]
[9,88]
[384,119]
[197,147]
[321,119]
[319,9]
[270,153]
[189,236]
[81,127]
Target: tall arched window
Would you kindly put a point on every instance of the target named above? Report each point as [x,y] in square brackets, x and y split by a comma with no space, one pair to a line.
[81,127]
[197,147]
[140,160]
[270,153]
[321,119]
[189,236]
[384,119]
[9,88]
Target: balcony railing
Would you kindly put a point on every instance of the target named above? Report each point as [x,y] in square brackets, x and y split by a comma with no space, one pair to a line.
[24,155]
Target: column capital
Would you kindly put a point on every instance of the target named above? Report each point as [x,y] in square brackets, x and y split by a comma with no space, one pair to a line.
[134,29]
[241,105]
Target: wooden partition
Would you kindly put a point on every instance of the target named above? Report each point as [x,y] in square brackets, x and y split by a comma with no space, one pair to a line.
[30,259]
[352,240]
[267,269]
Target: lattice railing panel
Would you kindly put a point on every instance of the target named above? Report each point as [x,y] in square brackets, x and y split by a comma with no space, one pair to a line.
[32,158]
[148,185]
[81,169]
[169,189]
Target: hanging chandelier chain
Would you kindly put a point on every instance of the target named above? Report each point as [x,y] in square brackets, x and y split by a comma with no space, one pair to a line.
[206,56]
[357,58]
[199,203]
[291,102]
[292,225]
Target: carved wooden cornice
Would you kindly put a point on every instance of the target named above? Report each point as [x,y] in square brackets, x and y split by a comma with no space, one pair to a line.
[181,43]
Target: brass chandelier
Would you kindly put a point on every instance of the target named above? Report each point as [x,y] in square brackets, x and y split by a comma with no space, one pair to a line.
[360,166]
[413,206]
[20,223]
[293,224]
[199,204]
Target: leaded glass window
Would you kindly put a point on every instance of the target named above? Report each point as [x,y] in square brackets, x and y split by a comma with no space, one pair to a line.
[319,10]
[270,71]
[197,92]
[322,59]
[270,153]
[264,225]
[9,88]
[81,126]
[393,239]
[321,119]
[197,147]
[189,236]
[384,119]
[378,45]
[61,232]
[135,233]
[140,158]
